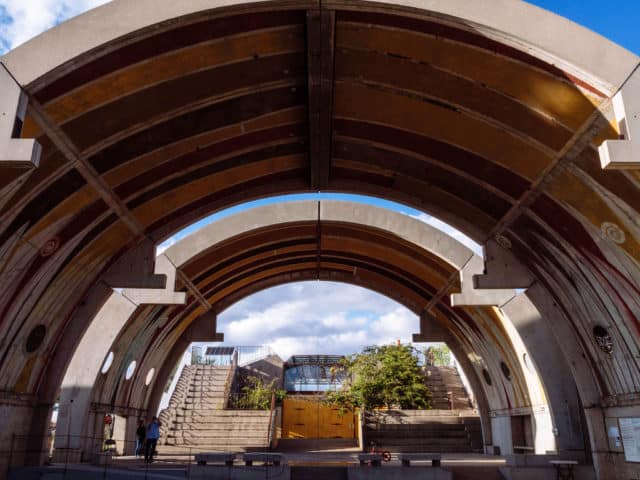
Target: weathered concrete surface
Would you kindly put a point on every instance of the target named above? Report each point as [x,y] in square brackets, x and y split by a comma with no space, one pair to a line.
[515,159]
[509,21]
[585,472]
[94,347]
[398,473]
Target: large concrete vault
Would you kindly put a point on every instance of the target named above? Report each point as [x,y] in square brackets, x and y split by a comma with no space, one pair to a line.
[387,252]
[516,126]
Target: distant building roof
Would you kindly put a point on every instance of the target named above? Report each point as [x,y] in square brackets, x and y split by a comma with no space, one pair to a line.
[296,360]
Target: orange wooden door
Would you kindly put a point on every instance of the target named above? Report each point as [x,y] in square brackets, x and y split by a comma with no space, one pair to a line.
[312,419]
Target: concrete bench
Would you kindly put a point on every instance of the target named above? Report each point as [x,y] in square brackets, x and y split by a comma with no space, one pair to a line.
[215,457]
[407,458]
[374,459]
[523,449]
[264,457]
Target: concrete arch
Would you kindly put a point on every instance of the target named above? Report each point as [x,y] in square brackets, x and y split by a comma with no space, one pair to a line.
[495,118]
[260,233]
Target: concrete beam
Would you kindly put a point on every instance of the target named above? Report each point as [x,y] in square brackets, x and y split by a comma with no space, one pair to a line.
[501,269]
[624,154]
[320,52]
[136,269]
[204,329]
[470,296]
[430,329]
[15,151]
[166,296]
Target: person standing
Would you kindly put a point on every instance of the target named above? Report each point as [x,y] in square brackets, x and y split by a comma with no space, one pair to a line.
[141,435]
[153,434]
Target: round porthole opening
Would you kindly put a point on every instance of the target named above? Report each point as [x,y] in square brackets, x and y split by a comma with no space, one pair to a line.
[35,338]
[603,339]
[505,371]
[150,374]
[107,363]
[130,369]
[487,377]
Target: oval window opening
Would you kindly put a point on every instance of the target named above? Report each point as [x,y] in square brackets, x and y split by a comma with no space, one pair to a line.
[150,374]
[130,369]
[603,339]
[107,363]
[505,371]
[35,338]
[487,377]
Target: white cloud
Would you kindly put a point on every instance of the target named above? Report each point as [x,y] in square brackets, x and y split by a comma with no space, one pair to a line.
[21,20]
[316,317]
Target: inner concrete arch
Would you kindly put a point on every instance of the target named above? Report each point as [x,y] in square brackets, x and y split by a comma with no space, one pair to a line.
[385,251]
[136,119]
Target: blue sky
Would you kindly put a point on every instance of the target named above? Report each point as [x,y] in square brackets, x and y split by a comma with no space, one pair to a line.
[297,318]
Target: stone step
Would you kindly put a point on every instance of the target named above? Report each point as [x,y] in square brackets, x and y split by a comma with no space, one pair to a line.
[204,401]
[200,386]
[218,427]
[205,435]
[220,447]
[225,413]
[391,436]
[431,413]
[425,442]
[408,422]
[418,448]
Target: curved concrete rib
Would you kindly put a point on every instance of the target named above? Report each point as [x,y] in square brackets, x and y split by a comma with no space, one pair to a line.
[560,42]
[95,344]
[411,230]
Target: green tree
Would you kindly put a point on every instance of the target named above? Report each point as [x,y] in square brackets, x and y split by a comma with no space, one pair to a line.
[383,376]
[257,396]
[439,355]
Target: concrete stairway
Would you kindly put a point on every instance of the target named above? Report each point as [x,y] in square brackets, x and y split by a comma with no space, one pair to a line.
[440,381]
[447,431]
[199,419]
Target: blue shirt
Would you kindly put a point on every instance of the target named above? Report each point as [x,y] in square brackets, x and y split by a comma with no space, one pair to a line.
[153,430]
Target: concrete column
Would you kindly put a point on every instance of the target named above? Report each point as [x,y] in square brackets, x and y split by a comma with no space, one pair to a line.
[15,417]
[501,434]
[554,372]
[130,435]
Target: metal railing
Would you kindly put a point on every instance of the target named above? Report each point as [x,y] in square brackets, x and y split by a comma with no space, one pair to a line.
[244,355]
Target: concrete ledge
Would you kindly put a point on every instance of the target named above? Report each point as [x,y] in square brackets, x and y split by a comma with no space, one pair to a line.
[281,472]
[407,458]
[215,457]
[582,472]
[529,28]
[375,459]
[266,457]
[399,473]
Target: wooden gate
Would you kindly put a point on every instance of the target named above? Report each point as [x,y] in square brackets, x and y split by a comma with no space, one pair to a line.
[312,419]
